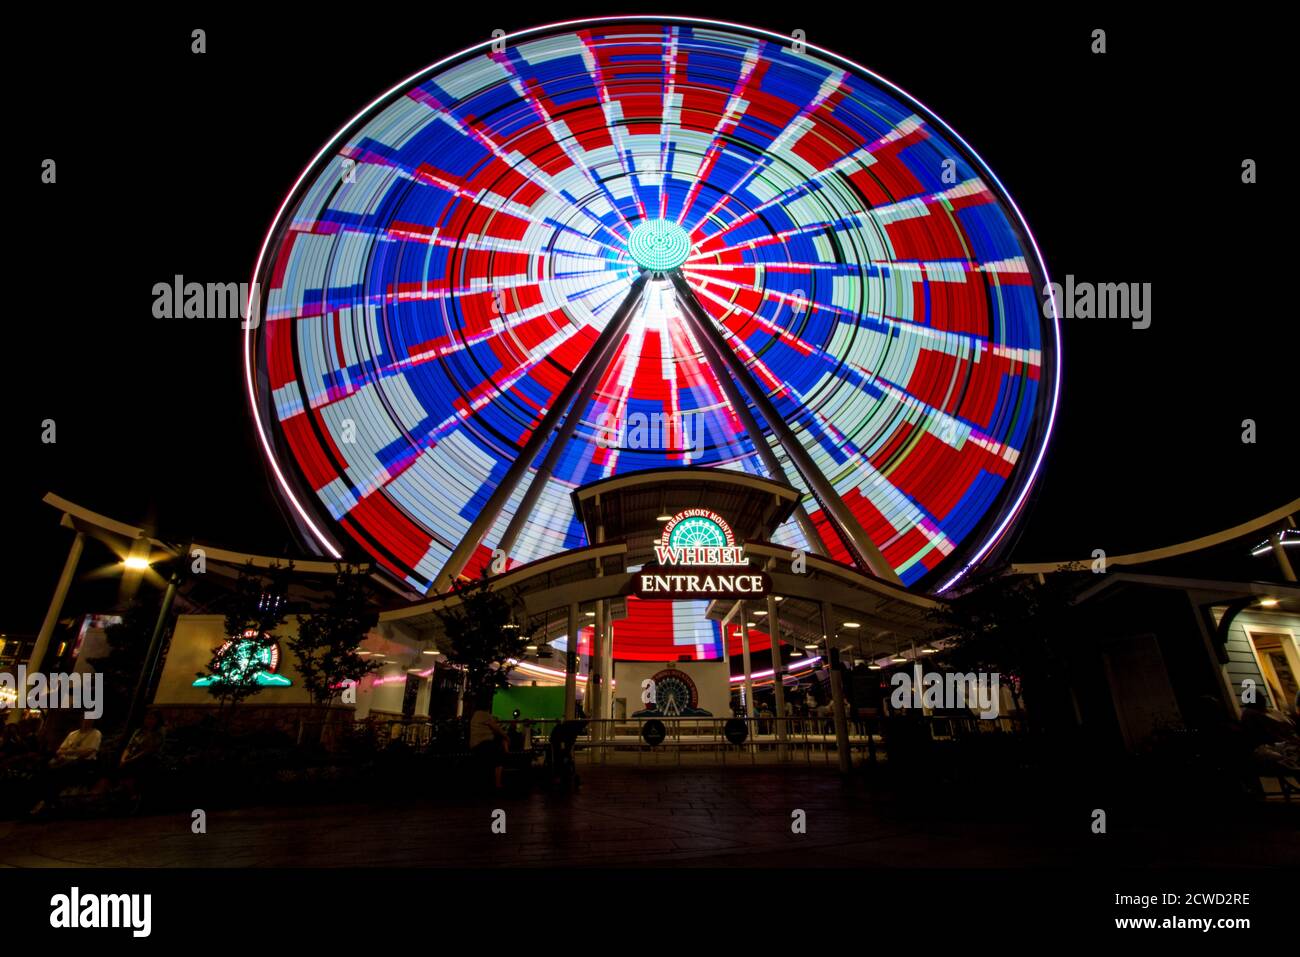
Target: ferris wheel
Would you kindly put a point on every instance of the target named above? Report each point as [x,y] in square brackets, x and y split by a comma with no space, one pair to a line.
[594,220]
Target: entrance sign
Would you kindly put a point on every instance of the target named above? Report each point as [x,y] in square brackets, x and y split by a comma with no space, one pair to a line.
[704,582]
[698,536]
[697,556]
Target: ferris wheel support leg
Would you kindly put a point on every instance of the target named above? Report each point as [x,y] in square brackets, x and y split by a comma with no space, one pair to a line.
[855,536]
[596,358]
[547,468]
[770,461]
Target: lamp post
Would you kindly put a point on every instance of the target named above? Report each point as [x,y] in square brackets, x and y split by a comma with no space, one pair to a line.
[837,693]
[748,684]
[571,665]
[135,713]
[778,674]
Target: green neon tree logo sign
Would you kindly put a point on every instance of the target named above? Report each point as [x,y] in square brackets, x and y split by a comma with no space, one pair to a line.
[238,659]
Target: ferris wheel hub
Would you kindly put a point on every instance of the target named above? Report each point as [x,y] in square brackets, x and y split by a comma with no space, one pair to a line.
[659,245]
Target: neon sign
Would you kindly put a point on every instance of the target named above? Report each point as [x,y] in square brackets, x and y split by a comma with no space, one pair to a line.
[698,557]
[238,658]
[699,536]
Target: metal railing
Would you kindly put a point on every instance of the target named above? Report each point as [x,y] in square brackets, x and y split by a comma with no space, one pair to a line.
[685,740]
[723,741]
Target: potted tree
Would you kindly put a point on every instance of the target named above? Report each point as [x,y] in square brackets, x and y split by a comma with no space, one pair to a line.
[327,646]
[484,637]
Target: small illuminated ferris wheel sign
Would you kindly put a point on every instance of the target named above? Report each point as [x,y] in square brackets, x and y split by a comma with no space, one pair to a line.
[697,557]
[698,536]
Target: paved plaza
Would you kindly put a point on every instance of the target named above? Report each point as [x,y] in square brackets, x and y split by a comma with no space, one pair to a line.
[623,816]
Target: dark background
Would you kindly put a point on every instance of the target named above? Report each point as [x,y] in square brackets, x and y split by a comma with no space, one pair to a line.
[1126,165]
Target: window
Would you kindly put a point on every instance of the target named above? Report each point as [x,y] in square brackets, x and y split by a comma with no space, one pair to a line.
[1279,663]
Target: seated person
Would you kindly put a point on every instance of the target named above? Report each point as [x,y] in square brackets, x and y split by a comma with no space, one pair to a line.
[80,747]
[77,755]
[9,745]
[140,757]
[145,745]
[22,752]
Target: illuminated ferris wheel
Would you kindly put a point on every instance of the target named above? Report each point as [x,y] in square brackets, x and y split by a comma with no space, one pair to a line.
[700,221]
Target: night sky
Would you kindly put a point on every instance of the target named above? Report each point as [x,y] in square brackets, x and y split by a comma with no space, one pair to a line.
[1127,167]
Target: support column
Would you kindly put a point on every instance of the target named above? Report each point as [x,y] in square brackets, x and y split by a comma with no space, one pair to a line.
[595,677]
[748,683]
[571,666]
[607,666]
[55,610]
[837,692]
[918,678]
[607,639]
[778,675]
[596,691]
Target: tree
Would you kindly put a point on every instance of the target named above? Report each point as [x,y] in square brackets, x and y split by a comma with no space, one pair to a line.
[256,610]
[1016,626]
[483,636]
[329,638]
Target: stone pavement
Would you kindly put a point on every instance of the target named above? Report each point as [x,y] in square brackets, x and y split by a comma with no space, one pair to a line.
[625,816]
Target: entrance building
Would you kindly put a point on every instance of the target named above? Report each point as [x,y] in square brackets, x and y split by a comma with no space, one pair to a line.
[1154,651]
[806,609]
